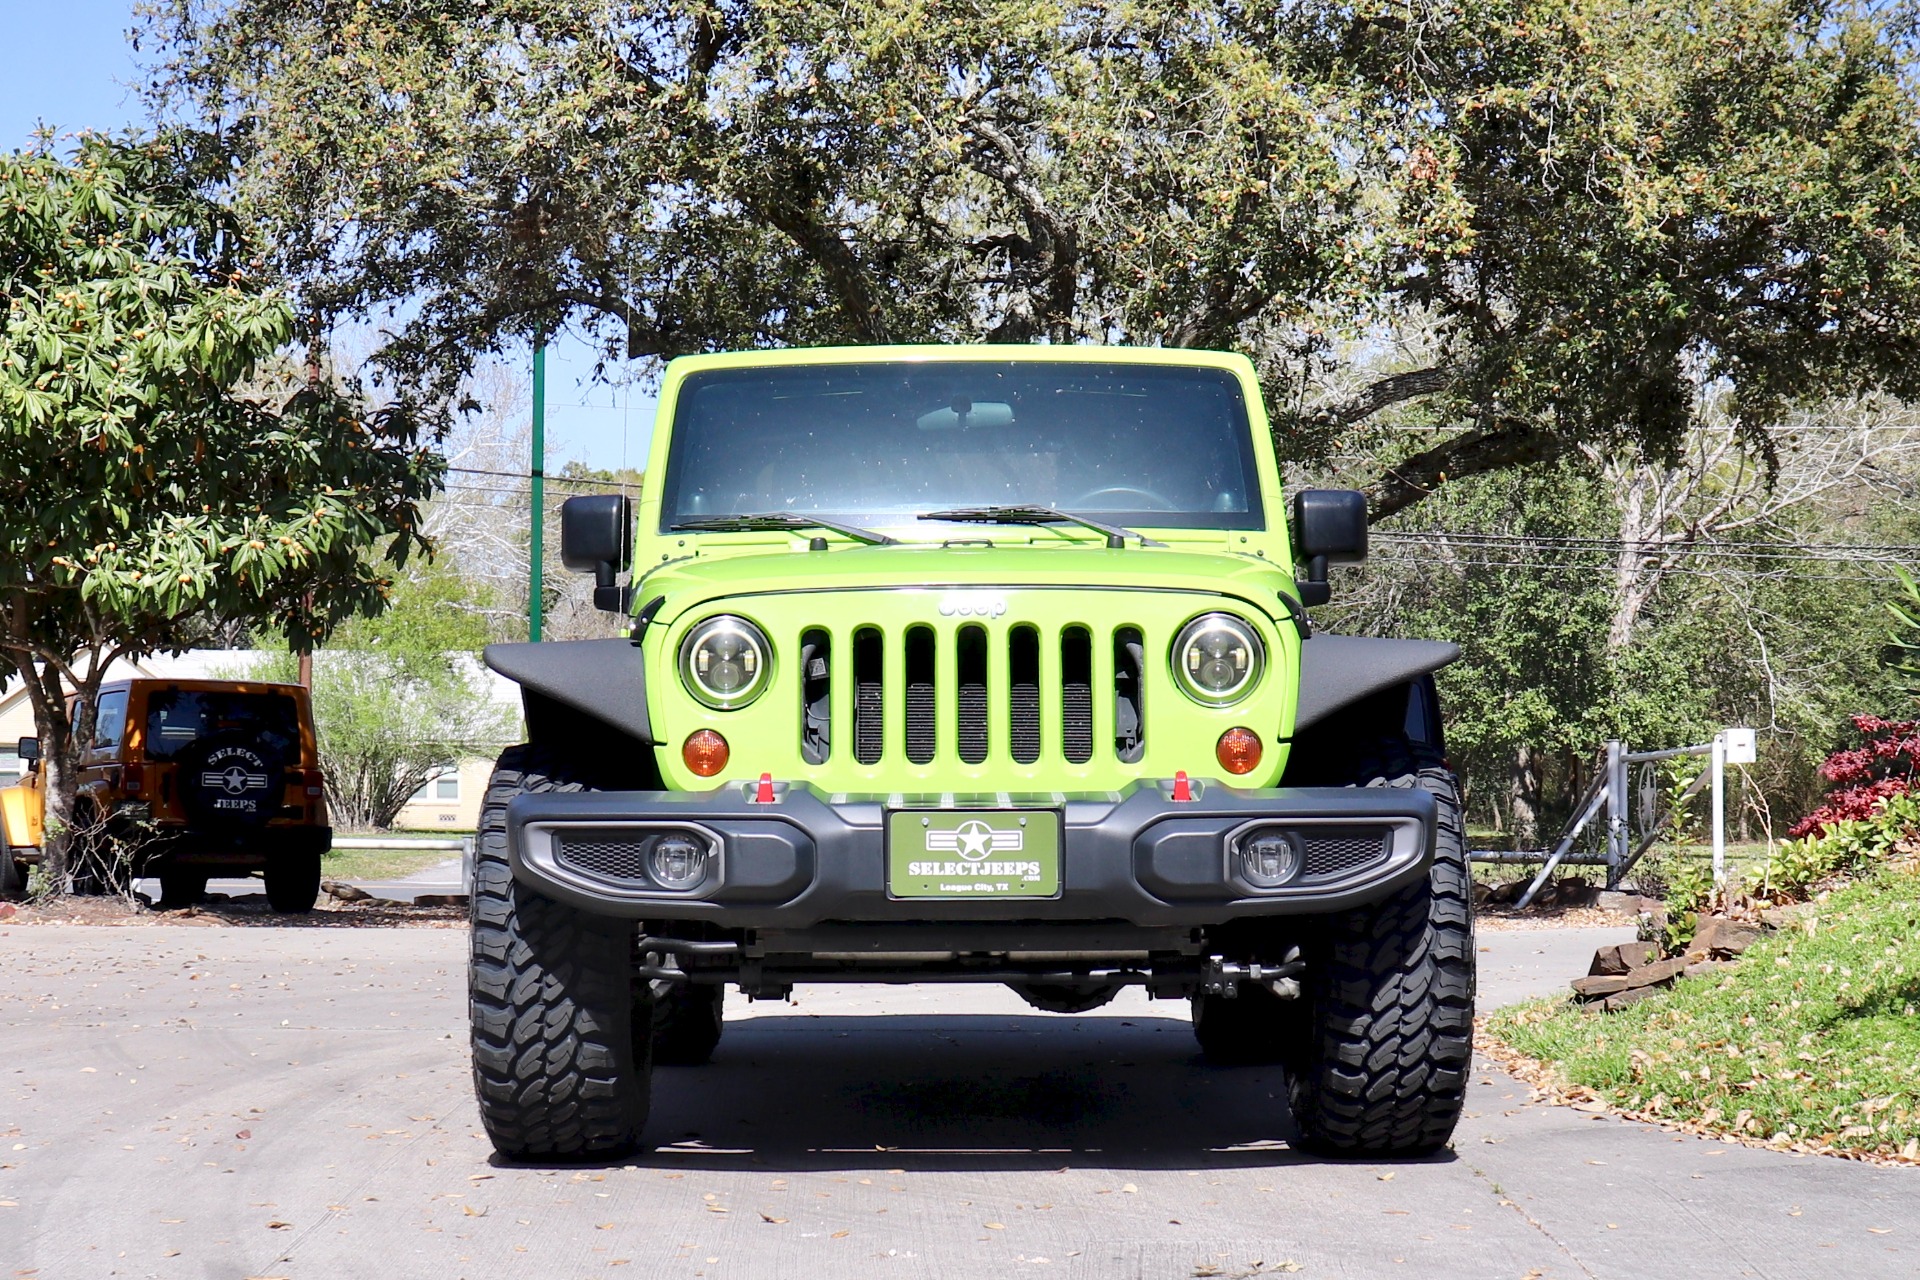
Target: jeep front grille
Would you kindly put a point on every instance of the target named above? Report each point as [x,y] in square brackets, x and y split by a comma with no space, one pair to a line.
[963,672]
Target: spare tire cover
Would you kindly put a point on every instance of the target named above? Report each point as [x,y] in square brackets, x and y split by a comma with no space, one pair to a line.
[230,781]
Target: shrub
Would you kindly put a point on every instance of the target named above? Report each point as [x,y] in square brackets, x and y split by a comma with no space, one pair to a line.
[1846,847]
[1885,765]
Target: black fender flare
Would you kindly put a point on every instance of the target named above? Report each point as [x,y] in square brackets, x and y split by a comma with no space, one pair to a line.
[1338,671]
[602,680]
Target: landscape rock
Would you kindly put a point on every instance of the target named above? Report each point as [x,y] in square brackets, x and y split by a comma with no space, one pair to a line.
[1594,986]
[1635,995]
[1702,968]
[8,911]
[1658,974]
[1790,913]
[344,892]
[1574,891]
[1626,904]
[1719,938]
[1623,957]
[1509,892]
[440,900]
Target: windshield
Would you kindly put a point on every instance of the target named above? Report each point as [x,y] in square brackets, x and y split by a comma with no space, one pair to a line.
[177,717]
[883,442]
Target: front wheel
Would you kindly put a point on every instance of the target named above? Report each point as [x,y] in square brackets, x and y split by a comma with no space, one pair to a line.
[1382,1070]
[557,1066]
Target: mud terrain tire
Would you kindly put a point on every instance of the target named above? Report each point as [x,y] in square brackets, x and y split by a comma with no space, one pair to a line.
[558,1070]
[1388,996]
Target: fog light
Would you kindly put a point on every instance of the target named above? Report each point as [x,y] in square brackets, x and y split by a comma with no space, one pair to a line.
[677,862]
[1238,750]
[705,752]
[1269,858]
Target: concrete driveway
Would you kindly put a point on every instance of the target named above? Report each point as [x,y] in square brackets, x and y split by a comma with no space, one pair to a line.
[232,1102]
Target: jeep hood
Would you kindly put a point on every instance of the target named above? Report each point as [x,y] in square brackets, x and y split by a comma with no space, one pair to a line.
[693,582]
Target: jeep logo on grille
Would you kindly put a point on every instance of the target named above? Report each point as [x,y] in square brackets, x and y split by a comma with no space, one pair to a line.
[971,604]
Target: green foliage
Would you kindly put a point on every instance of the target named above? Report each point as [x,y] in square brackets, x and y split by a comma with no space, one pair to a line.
[1902,654]
[1811,1040]
[1851,847]
[398,697]
[434,613]
[138,489]
[1596,207]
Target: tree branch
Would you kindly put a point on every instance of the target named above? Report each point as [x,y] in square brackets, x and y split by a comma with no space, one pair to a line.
[836,260]
[1050,243]
[1473,453]
[1385,393]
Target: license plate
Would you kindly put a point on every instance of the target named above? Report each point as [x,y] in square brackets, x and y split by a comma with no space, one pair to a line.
[973,853]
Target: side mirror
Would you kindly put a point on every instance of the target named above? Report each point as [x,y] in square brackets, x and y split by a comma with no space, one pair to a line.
[1329,527]
[596,536]
[28,749]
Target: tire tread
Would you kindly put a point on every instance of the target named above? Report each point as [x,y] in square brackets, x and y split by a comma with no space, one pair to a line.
[557,1071]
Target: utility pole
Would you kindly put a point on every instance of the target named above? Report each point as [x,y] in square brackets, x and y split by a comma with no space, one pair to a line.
[539,470]
[306,601]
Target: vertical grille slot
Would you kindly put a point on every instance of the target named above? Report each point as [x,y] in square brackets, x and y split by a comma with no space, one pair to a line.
[970,653]
[920,676]
[1076,694]
[867,658]
[816,720]
[1023,694]
[1129,696]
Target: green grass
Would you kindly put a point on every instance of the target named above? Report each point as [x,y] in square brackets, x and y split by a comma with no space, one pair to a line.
[1812,1038]
[381,864]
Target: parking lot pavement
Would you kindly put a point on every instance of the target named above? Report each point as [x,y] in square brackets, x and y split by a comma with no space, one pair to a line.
[225,1102]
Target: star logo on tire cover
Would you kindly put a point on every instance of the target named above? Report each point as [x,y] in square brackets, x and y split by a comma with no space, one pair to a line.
[235,778]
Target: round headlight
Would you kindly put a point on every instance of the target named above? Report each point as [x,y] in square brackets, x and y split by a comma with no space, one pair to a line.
[1217,659]
[724,662]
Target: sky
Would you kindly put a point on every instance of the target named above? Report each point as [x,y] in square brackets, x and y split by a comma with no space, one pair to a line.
[66,63]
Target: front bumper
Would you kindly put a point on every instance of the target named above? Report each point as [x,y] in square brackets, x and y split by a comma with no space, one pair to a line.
[804,858]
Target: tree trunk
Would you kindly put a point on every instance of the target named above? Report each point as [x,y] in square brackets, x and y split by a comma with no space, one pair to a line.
[1632,585]
[59,767]
[1524,797]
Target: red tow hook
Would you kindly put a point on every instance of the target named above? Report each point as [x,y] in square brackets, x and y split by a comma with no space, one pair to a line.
[763,794]
[1182,788]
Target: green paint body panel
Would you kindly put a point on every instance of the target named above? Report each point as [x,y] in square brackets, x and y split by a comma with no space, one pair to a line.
[1052,579]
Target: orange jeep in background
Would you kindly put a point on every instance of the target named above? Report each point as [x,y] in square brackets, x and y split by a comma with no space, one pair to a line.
[185,779]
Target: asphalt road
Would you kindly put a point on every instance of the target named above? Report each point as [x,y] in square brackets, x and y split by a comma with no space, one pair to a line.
[233,1102]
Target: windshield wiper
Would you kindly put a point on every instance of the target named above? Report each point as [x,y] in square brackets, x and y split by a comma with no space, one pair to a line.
[771,520]
[1116,536]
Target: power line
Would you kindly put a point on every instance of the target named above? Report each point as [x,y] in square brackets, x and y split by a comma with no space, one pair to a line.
[1818,552]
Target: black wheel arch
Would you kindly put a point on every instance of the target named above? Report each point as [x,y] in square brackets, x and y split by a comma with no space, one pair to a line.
[1326,751]
[569,687]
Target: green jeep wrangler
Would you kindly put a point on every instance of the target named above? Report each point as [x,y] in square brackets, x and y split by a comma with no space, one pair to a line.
[971,664]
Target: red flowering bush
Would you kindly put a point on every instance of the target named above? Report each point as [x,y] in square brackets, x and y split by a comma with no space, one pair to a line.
[1886,764]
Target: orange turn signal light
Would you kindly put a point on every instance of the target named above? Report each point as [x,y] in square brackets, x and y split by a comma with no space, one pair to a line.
[705,752]
[1238,750]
